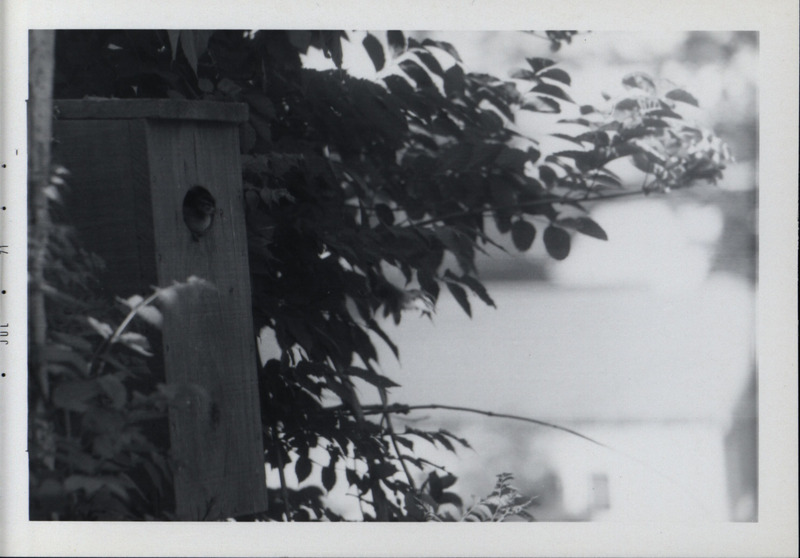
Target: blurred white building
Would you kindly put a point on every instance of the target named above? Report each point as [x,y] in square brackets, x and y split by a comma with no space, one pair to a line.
[634,344]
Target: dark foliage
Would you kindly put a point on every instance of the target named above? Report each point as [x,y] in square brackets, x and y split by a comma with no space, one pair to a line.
[345,180]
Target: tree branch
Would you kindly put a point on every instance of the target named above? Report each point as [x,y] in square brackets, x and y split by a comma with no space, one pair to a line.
[533,203]
[399,408]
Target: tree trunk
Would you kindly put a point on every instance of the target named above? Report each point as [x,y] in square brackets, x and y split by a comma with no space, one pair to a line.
[40,119]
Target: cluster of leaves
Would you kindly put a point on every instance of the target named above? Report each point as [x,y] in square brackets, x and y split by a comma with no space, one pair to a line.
[645,125]
[352,183]
[505,501]
[97,428]
[435,504]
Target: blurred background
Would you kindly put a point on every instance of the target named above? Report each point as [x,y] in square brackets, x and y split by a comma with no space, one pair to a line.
[645,343]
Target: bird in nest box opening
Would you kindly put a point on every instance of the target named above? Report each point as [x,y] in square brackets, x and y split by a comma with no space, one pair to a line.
[199,207]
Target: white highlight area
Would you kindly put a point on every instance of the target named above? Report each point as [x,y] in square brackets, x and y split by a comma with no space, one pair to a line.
[650,244]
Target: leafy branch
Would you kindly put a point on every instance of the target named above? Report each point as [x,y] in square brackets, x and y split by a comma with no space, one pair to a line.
[102,351]
[521,205]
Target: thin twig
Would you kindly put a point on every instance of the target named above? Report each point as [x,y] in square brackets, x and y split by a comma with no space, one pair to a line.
[393,437]
[287,509]
[399,408]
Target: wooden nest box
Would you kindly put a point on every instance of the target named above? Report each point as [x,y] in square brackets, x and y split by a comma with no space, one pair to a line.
[137,167]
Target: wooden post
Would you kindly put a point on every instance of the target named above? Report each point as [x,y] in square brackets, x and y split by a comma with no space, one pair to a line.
[132,163]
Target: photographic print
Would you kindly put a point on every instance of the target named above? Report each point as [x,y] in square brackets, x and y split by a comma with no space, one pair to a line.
[385,276]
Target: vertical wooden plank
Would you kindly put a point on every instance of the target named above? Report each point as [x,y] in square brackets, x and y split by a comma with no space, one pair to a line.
[209,344]
[110,205]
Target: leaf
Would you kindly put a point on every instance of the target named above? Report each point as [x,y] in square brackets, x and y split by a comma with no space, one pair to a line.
[553,91]
[396,40]
[430,61]
[584,225]
[189,49]
[448,480]
[74,396]
[474,285]
[557,242]
[102,328]
[371,377]
[435,484]
[639,80]
[113,387]
[136,342]
[523,74]
[502,219]
[71,340]
[483,511]
[328,477]
[151,315]
[451,498]
[603,179]
[385,214]
[302,468]
[548,175]
[414,508]
[64,355]
[428,283]
[500,102]
[174,37]
[408,444]
[539,64]
[333,46]
[443,45]
[201,38]
[375,50]
[444,126]
[477,288]
[569,138]
[461,297]
[450,435]
[454,84]
[513,159]
[417,73]
[541,104]
[383,470]
[300,39]
[522,234]
[373,325]
[442,439]
[682,96]
[557,74]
